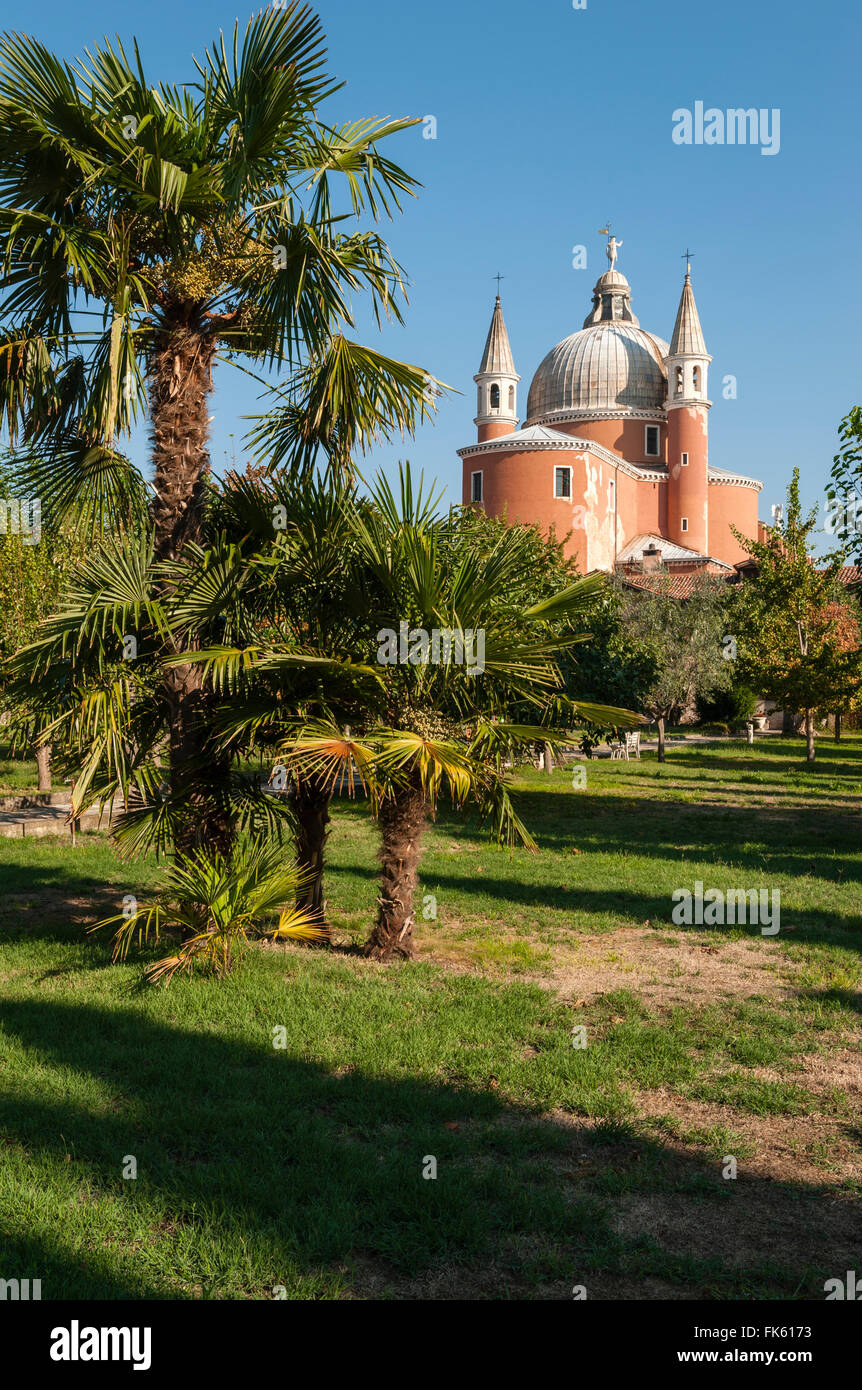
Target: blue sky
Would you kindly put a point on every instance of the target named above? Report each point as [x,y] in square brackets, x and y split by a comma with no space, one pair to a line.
[551,120]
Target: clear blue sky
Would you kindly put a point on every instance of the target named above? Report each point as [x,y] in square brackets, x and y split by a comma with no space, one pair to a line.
[551,120]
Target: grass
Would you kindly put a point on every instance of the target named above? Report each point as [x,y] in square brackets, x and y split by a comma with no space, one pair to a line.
[300,1168]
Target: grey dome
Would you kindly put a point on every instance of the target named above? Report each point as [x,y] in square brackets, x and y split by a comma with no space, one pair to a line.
[608,366]
[612,364]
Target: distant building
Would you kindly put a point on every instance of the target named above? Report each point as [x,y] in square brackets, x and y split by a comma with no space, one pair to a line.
[614,448]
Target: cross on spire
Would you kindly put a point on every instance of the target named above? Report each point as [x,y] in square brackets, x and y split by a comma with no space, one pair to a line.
[688,257]
[498,278]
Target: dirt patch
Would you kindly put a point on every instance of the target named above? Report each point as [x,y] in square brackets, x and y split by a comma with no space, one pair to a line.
[787,1148]
[644,960]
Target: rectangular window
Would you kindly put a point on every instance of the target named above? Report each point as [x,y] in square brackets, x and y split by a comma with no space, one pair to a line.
[685,523]
[685,460]
[476,487]
[651,442]
[562,482]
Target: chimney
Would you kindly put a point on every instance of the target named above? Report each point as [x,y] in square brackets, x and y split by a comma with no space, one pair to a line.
[651,558]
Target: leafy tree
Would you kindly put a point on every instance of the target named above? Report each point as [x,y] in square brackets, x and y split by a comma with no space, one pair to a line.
[844,491]
[798,641]
[684,639]
[729,705]
[611,666]
[150,231]
[33,564]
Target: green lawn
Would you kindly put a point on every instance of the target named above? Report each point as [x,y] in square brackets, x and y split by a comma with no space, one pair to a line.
[301,1168]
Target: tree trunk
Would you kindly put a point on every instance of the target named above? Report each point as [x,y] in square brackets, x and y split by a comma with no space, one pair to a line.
[180,386]
[180,382]
[838,726]
[548,759]
[199,773]
[43,766]
[809,735]
[402,820]
[660,725]
[311,805]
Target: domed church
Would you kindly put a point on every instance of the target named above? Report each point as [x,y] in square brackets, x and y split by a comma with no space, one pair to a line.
[614,450]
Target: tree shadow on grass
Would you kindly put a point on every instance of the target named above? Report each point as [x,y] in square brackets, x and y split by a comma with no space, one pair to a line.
[624,824]
[258,1168]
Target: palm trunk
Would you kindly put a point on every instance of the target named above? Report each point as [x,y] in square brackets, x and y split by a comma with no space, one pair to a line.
[838,726]
[198,771]
[43,766]
[311,804]
[809,735]
[660,726]
[548,759]
[402,820]
[180,386]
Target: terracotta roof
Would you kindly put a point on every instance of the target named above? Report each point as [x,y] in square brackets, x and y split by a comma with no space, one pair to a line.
[673,585]
[850,574]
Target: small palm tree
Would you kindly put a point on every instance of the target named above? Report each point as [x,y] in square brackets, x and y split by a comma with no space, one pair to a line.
[216,907]
[149,232]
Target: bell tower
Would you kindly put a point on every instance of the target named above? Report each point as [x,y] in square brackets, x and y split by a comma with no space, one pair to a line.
[687,407]
[497,383]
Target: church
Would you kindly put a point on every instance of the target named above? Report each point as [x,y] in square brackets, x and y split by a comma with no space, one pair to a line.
[613,453]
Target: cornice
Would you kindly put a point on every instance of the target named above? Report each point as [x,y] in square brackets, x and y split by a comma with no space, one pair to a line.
[619,412]
[573,445]
[735,480]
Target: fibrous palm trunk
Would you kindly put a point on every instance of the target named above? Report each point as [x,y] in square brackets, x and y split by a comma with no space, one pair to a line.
[660,726]
[311,806]
[180,372]
[199,772]
[402,819]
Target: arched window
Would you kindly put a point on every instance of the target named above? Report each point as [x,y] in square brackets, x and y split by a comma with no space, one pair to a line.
[495,397]
[679,381]
[696,378]
[479,401]
[512,400]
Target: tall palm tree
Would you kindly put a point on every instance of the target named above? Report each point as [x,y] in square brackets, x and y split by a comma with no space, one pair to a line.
[150,231]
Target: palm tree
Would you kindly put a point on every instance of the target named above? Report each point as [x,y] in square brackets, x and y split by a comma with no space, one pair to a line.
[152,231]
[293,615]
[409,732]
[218,906]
